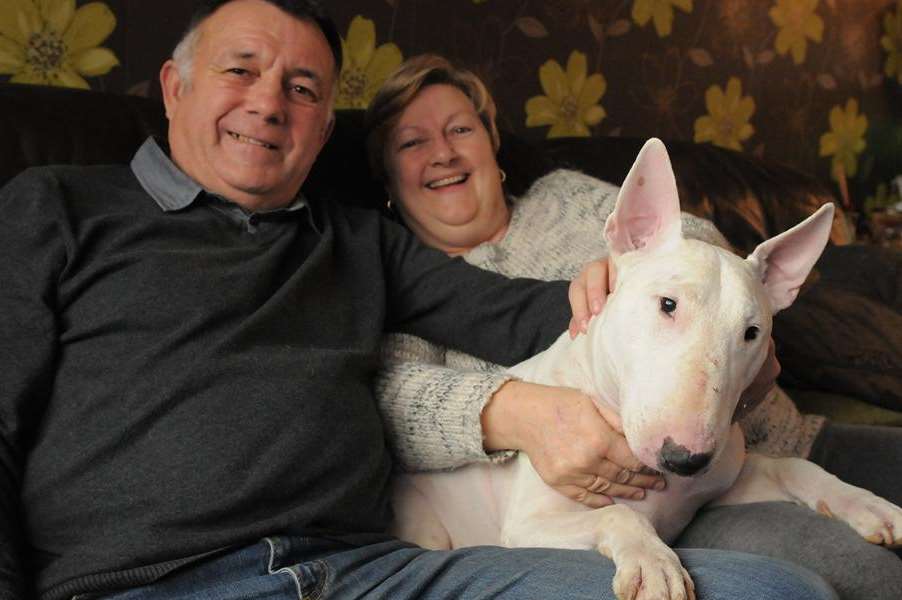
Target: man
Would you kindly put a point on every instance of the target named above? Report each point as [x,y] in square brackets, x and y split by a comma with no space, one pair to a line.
[188,344]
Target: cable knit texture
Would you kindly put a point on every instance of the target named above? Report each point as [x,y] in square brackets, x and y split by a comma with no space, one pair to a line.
[431,398]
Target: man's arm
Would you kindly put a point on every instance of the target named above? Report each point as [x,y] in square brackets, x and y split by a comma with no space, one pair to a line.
[31,254]
[455,304]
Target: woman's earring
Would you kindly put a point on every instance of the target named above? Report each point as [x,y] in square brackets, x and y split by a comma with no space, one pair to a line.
[503,175]
[388,205]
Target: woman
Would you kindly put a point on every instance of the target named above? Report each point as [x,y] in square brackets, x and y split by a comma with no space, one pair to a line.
[432,140]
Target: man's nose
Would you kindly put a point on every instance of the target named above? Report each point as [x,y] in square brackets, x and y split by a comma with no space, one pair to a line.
[266,97]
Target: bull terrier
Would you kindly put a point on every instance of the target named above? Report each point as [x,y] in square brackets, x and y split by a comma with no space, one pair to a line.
[682,335]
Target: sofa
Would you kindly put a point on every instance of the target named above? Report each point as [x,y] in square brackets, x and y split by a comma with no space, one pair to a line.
[840,344]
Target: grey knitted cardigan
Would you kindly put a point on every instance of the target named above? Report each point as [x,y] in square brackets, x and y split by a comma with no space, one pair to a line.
[431,397]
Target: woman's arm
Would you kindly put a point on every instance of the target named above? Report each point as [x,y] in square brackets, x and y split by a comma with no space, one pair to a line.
[432,412]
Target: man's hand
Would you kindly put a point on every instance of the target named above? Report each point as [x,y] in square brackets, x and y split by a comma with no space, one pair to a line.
[763,383]
[588,294]
[572,447]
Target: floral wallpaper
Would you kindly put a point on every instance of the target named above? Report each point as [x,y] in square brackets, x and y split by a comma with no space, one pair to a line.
[816,84]
[50,42]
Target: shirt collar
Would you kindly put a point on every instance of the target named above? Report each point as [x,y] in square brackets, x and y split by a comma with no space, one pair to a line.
[169,186]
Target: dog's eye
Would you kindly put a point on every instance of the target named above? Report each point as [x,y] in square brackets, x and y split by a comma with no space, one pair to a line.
[668,305]
[751,333]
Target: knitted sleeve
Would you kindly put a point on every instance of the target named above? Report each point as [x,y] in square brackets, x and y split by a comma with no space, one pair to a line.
[697,228]
[432,412]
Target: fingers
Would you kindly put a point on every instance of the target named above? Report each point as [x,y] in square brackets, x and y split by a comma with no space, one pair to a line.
[620,463]
[579,304]
[603,495]
[641,480]
[598,485]
[584,496]
[597,285]
[771,364]
[614,477]
[588,294]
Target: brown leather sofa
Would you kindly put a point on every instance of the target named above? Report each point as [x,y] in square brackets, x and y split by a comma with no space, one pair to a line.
[840,344]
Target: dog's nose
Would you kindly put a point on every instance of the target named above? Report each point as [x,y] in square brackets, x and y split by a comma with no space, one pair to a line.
[677,459]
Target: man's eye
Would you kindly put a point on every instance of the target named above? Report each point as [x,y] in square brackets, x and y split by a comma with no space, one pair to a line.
[408,144]
[237,71]
[304,91]
[460,129]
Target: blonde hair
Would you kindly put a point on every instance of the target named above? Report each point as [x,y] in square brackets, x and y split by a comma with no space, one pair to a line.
[402,87]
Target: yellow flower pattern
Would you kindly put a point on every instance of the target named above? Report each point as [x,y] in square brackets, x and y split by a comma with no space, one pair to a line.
[570,104]
[49,42]
[365,66]
[660,12]
[798,23]
[727,122]
[892,43]
[845,140]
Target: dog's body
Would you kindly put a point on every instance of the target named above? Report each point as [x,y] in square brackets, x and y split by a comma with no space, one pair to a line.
[680,338]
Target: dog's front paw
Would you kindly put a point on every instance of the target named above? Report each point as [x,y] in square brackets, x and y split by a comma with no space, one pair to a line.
[651,572]
[875,519]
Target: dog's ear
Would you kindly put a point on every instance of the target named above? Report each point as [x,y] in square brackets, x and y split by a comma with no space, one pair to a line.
[647,214]
[784,261]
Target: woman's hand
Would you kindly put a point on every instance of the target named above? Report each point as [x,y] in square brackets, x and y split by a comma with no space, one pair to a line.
[589,292]
[571,446]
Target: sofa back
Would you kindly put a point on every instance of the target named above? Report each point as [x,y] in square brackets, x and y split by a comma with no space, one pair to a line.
[747,199]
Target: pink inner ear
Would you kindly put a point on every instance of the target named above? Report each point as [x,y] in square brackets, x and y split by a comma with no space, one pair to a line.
[647,214]
[785,260]
[642,228]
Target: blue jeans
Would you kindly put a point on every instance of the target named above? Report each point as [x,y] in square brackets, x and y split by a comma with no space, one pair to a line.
[312,569]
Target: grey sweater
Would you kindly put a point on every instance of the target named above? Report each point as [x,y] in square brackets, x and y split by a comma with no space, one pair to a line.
[432,397]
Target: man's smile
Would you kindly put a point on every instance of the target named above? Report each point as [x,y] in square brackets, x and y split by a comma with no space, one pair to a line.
[254,141]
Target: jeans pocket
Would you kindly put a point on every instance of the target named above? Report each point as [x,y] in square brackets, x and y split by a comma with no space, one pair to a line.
[309,578]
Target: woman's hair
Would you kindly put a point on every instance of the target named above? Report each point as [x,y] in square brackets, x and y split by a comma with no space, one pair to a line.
[402,87]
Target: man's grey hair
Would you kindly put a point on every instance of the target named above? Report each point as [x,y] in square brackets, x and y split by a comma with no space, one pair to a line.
[183,55]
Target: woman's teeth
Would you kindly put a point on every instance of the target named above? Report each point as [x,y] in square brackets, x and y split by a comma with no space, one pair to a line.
[447,181]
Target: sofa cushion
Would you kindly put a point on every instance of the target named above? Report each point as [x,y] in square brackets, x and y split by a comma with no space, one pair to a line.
[844,333]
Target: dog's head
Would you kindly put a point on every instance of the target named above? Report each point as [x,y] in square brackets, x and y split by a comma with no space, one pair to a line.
[688,324]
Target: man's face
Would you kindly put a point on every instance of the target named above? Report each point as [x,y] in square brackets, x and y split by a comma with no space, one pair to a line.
[258,106]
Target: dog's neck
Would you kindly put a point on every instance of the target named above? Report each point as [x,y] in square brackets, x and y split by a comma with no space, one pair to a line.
[583,363]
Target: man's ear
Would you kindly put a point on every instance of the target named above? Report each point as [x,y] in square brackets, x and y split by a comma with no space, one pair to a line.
[784,261]
[647,214]
[171,85]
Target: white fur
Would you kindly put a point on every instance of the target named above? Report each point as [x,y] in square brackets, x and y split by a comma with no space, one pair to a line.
[673,376]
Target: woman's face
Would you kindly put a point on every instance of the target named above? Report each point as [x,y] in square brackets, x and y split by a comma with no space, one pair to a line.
[442,172]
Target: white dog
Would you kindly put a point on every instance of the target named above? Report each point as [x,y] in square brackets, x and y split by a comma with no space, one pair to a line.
[680,338]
